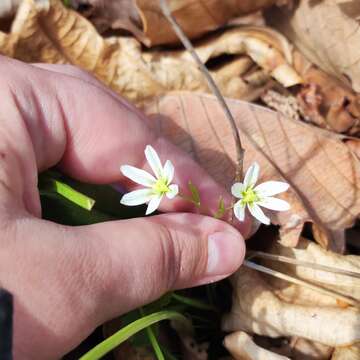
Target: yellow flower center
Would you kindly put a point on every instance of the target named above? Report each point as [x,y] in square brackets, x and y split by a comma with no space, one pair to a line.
[249,196]
[161,186]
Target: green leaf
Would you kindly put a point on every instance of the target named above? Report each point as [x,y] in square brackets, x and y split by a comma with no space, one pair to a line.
[221,209]
[155,344]
[62,211]
[125,333]
[195,195]
[71,194]
[153,340]
[193,302]
[50,182]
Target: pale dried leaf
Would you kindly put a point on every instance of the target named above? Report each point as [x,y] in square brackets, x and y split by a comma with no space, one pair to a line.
[310,252]
[322,171]
[258,309]
[327,33]
[46,31]
[347,353]
[242,347]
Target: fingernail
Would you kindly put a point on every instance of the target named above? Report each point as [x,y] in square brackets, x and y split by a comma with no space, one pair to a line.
[226,252]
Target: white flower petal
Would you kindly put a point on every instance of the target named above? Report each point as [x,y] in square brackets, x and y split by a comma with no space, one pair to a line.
[137,197]
[274,204]
[270,188]
[252,175]
[237,189]
[153,204]
[174,190]
[168,171]
[154,161]
[239,211]
[137,175]
[258,214]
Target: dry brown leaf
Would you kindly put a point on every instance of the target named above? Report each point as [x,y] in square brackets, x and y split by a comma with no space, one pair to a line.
[327,32]
[195,17]
[48,32]
[144,18]
[347,353]
[321,100]
[242,347]
[325,100]
[322,171]
[266,306]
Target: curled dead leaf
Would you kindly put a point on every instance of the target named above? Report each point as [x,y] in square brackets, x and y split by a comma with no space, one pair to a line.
[326,101]
[194,17]
[242,347]
[145,20]
[46,31]
[272,307]
[326,32]
[307,251]
[321,99]
[322,171]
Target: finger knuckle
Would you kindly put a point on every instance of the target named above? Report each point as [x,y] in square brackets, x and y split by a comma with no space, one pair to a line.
[170,251]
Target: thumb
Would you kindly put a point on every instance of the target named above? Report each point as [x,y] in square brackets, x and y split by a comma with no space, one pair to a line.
[148,257]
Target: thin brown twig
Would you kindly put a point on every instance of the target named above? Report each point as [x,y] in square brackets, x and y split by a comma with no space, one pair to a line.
[212,85]
[307,264]
[291,279]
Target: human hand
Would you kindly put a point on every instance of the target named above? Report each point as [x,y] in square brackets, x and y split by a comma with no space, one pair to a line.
[68,280]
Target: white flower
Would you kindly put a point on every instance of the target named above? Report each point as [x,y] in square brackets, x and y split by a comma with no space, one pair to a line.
[255,196]
[156,187]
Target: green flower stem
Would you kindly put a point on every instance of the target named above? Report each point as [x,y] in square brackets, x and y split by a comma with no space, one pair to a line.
[125,333]
[189,199]
[202,209]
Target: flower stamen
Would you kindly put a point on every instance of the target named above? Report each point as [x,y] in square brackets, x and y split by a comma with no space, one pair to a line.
[249,196]
[161,186]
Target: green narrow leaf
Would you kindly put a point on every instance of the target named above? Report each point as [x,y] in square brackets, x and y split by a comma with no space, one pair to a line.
[69,193]
[153,340]
[221,209]
[154,343]
[195,195]
[125,333]
[193,302]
